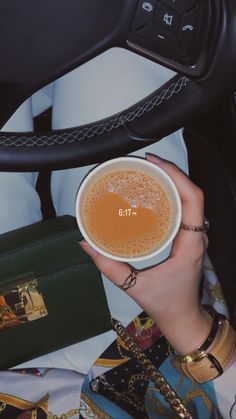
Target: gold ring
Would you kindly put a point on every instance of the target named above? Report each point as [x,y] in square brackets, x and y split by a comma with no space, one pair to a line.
[196,229]
[131,279]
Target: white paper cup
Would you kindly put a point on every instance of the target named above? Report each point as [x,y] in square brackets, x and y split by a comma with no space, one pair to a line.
[145,167]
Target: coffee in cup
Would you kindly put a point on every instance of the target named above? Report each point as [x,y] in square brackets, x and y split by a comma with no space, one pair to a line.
[128,209]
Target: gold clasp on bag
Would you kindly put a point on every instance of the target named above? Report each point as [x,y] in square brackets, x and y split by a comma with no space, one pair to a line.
[20,304]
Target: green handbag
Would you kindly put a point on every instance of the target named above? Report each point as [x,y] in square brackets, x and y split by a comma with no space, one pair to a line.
[51,293]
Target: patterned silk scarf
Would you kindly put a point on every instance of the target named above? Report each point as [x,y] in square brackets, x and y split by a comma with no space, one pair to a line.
[117,386]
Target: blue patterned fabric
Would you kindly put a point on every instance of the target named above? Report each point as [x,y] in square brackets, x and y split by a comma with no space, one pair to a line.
[200,400]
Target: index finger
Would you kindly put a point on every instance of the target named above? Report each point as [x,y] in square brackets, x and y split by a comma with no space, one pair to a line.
[187,245]
[191,195]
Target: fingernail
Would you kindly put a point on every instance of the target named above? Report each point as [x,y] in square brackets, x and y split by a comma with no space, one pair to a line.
[153,158]
[88,249]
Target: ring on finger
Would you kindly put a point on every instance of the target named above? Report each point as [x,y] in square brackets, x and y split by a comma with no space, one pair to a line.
[196,229]
[131,279]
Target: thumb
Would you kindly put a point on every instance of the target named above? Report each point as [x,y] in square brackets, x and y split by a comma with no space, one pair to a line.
[116,271]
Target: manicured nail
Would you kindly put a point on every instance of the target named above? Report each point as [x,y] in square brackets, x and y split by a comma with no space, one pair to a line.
[88,249]
[153,158]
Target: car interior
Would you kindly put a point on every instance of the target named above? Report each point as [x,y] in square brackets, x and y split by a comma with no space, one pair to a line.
[193,38]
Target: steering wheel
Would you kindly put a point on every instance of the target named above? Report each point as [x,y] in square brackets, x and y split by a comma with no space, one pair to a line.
[43,40]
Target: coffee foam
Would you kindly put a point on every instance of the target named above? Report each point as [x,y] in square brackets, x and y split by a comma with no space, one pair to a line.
[138,190]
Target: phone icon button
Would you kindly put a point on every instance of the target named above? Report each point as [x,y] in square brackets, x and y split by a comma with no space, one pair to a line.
[187,28]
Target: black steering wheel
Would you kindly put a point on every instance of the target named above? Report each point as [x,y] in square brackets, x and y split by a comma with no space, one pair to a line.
[42,40]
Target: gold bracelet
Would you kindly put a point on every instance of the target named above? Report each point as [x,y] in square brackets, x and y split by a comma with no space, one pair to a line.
[201,350]
[210,365]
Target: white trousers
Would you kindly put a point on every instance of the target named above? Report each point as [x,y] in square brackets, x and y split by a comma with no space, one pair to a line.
[20,203]
[102,87]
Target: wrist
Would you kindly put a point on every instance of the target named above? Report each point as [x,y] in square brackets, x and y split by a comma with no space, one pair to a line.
[188,331]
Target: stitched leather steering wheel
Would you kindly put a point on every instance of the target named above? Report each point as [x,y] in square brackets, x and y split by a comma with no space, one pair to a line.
[43,40]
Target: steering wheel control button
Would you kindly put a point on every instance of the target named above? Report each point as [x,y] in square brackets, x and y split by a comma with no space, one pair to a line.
[167,18]
[188,30]
[144,14]
[180,6]
[175,33]
[161,38]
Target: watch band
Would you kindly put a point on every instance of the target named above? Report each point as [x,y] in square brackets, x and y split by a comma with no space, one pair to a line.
[201,350]
[211,365]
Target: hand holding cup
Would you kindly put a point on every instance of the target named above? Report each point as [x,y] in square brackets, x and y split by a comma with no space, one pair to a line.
[169,292]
